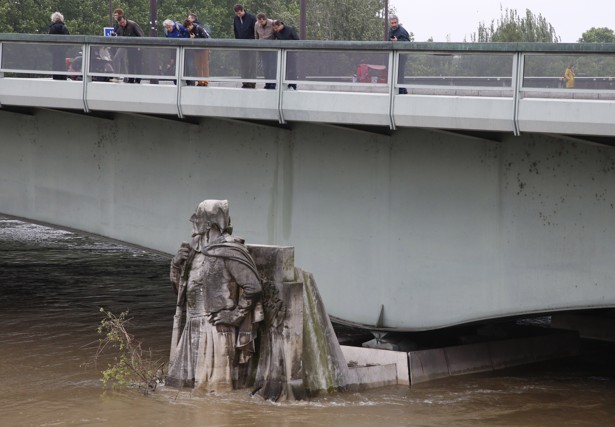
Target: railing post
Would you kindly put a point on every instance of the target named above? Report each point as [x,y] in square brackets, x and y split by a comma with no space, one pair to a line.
[1,64]
[179,67]
[85,79]
[517,84]
[393,57]
[280,83]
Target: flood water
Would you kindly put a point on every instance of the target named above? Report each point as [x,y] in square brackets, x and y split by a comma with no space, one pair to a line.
[52,283]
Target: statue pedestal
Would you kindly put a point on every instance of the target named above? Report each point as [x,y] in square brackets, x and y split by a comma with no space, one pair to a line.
[298,352]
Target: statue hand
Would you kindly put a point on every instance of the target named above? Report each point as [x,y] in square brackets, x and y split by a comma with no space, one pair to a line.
[182,254]
[227,317]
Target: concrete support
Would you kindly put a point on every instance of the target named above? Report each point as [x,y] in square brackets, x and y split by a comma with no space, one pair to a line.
[590,326]
[427,365]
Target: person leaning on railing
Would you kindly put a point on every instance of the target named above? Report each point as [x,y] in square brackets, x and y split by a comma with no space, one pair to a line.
[120,56]
[286,32]
[128,28]
[201,56]
[263,30]
[397,33]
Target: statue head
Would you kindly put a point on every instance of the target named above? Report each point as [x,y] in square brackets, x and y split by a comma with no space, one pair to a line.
[210,215]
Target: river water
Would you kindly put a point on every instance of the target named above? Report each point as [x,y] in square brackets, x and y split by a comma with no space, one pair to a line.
[52,283]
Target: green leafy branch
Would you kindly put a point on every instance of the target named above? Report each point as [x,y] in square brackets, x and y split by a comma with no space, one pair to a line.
[131,366]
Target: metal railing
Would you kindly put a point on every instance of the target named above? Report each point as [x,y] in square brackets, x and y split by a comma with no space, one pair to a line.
[500,70]
[338,64]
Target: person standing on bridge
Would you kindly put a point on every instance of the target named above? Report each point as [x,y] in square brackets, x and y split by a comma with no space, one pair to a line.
[243,27]
[201,56]
[286,32]
[569,76]
[58,53]
[128,28]
[263,30]
[397,33]
[120,56]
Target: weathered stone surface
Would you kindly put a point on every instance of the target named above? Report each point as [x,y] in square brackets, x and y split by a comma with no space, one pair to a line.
[363,356]
[218,286]
[275,263]
[427,365]
[366,377]
[253,320]
[325,368]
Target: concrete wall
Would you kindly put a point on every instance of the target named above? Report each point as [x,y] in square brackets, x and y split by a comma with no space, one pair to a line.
[439,228]
[427,365]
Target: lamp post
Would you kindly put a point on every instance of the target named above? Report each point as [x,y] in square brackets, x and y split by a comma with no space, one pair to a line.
[302,19]
[386,20]
[153,18]
[111,13]
[153,32]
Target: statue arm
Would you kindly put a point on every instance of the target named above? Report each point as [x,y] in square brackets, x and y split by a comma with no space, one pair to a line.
[174,276]
[177,264]
[248,297]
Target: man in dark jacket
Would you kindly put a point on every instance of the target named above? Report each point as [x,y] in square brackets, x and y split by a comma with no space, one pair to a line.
[243,27]
[397,33]
[128,28]
[286,32]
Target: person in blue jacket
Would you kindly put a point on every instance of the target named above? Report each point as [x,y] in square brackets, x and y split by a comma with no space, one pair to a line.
[175,30]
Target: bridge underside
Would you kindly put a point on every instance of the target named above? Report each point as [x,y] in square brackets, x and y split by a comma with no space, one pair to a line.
[439,228]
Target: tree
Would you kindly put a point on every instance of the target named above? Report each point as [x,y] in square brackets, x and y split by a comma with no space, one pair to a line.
[598,35]
[326,19]
[513,28]
[357,20]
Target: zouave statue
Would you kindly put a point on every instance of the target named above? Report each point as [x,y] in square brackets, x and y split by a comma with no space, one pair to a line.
[217,282]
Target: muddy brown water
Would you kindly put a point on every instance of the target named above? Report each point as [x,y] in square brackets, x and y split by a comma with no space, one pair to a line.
[52,283]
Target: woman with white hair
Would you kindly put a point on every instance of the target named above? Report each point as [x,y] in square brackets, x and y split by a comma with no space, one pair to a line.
[174,29]
[58,52]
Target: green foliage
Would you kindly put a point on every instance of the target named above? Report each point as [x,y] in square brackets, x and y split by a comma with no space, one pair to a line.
[286,11]
[326,19]
[598,35]
[511,27]
[345,20]
[130,367]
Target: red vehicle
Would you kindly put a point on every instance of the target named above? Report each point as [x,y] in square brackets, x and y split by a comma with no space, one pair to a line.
[369,73]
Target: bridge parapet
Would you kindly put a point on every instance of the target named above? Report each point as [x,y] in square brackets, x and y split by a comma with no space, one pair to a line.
[469,86]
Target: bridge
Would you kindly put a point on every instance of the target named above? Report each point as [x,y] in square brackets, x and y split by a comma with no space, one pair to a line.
[485,192]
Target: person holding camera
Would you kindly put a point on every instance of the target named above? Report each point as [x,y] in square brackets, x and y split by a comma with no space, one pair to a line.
[399,33]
